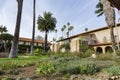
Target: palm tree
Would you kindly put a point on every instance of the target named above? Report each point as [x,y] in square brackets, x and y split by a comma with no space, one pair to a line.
[33,32]
[70,29]
[13,52]
[64,26]
[86,29]
[68,24]
[110,19]
[53,43]
[56,33]
[46,24]
[99,10]
[3,29]
[39,37]
[68,33]
[62,29]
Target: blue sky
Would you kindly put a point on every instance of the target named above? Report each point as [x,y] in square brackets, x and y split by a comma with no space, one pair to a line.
[80,14]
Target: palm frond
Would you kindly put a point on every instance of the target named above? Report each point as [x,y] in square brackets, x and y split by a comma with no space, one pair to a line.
[99,9]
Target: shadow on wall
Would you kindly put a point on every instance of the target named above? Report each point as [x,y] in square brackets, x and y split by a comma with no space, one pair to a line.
[105,39]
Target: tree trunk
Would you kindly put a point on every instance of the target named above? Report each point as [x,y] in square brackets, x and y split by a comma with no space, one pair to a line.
[62,33]
[33,33]
[45,43]
[56,35]
[113,40]
[14,48]
[110,19]
[5,46]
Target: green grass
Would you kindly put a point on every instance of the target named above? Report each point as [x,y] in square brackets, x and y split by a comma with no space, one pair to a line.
[21,61]
[112,71]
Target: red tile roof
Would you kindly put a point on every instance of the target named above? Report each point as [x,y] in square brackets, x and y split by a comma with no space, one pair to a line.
[30,40]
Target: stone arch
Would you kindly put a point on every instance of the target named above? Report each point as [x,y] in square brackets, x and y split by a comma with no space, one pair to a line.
[99,50]
[108,49]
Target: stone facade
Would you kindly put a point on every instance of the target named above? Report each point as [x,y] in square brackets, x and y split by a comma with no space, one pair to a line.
[99,39]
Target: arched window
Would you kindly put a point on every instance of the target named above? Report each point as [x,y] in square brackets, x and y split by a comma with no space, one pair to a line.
[99,50]
[108,49]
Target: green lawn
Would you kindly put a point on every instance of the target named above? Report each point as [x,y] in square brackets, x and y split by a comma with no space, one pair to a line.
[21,61]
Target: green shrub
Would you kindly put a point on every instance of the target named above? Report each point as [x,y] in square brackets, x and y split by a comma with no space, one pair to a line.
[117,60]
[87,68]
[112,71]
[61,54]
[106,56]
[50,54]
[66,46]
[88,53]
[83,47]
[15,64]
[37,52]
[118,52]
[6,78]
[73,66]
[85,50]
[23,48]
[45,69]
[65,54]
[79,69]
[69,69]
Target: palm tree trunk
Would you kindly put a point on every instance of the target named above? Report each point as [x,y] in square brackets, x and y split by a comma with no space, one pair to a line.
[56,35]
[110,19]
[113,40]
[33,33]
[45,44]
[62,33]
[14,48]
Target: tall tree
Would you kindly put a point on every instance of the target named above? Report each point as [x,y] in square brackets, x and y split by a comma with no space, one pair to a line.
[110,20]
[13,52]
[68,24]
[56,34]
[33,32]
[86,29]
[62,29]
[70,30]
[6,38]
[64,26]
[39,37]
[46,24]
[3,29]
[99,10]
